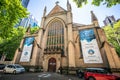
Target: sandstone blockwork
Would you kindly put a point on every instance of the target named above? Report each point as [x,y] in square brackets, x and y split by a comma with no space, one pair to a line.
[61,43]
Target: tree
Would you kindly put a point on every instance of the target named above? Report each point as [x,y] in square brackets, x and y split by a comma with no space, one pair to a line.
[113,34]
[108,3]
[9,45]
[10,13]
[34,29]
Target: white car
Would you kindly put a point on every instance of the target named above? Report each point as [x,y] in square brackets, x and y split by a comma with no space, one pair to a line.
[14,68]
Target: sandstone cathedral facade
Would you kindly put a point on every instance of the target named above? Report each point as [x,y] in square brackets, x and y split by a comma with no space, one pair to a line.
[62,43]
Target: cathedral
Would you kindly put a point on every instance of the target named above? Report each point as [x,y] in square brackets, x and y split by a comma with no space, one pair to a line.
[61,43]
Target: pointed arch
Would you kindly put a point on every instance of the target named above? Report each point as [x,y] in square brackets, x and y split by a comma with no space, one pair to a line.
[56,19]
[52,64]
[55,34]
[71,42]
[77,37]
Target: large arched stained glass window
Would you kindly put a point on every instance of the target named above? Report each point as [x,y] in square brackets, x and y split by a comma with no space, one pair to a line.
[55,38]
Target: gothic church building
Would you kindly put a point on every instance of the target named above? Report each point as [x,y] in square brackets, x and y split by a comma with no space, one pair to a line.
[62,43]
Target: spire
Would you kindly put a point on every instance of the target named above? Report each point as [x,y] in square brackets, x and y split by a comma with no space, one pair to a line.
[44,11]
[68,6]
[67,2]
[94,19]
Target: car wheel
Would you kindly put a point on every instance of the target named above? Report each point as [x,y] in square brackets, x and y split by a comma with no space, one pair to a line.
[91,78]
[14,72]
[4,71]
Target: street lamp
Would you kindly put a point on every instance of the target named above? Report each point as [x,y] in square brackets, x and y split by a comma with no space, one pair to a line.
[111,23]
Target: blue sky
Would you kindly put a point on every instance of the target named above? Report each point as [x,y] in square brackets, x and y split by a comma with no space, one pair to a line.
[80,15]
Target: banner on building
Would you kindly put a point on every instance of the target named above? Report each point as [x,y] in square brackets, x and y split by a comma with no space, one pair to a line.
[90,49]
[27,49]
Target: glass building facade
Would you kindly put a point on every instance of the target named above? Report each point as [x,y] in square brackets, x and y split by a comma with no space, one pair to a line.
[25,3]
[25,22]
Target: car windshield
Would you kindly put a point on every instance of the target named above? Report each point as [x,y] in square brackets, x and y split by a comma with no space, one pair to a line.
[18,66]
[101,71]
[96,70]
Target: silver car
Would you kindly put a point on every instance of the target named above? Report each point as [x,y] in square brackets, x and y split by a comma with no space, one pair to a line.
[14,68]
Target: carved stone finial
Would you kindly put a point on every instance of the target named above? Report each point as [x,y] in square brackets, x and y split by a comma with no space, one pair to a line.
[44,11]
[93,17]
[68,6]
[56,2]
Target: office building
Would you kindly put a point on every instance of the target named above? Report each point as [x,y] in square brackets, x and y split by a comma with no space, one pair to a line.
[25,3]
[107,22]
[30,20]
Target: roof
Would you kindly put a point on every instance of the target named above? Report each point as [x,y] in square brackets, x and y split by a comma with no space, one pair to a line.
[77,24]
[56,9]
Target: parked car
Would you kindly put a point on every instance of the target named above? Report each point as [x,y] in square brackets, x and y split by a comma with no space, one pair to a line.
[97,74]
[2,66]
[14,68]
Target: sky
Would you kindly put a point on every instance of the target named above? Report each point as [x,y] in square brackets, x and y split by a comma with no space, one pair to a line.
[80,15]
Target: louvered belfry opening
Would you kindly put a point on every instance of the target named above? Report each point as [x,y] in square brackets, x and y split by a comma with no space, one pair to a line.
[55,38]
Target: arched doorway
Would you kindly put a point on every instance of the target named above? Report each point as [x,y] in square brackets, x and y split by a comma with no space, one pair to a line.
[52,65]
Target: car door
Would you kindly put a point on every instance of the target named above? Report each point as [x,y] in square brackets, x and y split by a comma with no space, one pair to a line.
[8,69]
[109,77]
[100,75]
[12,68]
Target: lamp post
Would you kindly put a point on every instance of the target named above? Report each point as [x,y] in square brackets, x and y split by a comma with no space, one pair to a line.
[111,24]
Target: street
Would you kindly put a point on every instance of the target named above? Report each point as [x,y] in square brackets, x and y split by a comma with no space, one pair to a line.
[38,76]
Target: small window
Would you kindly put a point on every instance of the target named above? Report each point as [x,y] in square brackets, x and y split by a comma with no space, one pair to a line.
[12,66]
[9,66]
[17,66]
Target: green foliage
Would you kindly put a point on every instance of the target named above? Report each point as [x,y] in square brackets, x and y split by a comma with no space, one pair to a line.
[9,45]
[112,37]
[79,3]
[10,13]
[34,29]
[108,3]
